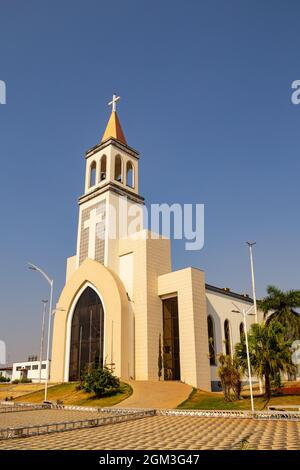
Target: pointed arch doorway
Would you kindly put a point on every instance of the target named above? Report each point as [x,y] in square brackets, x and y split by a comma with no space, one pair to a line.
[87,334]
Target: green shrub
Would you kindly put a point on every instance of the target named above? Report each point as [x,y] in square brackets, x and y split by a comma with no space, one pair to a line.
[4,379]
[100,381]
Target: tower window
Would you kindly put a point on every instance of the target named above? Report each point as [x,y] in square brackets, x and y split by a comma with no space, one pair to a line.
[103,168]
[129,175]
[93,174]
[118,169]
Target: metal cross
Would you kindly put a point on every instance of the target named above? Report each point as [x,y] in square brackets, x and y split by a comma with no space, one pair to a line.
[113,102]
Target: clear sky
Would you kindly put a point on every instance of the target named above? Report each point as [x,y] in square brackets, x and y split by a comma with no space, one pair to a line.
[206,99]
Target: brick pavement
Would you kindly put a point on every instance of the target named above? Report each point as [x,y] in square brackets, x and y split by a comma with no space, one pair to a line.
[23,418]
[171,432]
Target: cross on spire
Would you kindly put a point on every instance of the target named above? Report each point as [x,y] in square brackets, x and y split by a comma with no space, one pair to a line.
[113,102]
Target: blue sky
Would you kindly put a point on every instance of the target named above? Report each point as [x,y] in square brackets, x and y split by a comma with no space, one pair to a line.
[205,89]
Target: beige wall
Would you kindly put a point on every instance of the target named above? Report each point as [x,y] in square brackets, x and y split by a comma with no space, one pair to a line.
[151,258]
[189,286]
[71,266]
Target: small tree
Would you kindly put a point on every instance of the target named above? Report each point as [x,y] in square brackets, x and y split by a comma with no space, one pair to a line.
[100,380]
[269,350]
[230,377]
[160,360]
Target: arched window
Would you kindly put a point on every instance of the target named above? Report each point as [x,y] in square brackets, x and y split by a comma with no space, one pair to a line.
[103,168]
[118,169]
[87,334]
[211,341]
[242,331]
[129,175]
[227,338]
[93,174]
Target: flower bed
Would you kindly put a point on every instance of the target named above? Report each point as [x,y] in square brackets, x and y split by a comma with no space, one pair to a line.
[289,390]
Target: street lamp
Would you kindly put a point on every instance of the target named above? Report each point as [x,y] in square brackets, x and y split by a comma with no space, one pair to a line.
[42,338]
[244,313]
[251,244]
[50,282]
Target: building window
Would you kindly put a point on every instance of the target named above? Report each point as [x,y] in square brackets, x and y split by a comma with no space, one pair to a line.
[129,175]
[227,338]
[211,341]
[93,174]
[35,367]
[43,366]
[87,334]
[242,331]
[18,368]
[118,169]
[28,367]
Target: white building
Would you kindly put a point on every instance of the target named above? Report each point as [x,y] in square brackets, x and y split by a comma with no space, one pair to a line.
[29,370]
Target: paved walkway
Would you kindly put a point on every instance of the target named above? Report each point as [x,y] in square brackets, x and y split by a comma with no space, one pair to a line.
[171,432]
[147,394]
[35,417]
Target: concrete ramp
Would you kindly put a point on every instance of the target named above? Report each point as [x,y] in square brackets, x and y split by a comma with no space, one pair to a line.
[155,394]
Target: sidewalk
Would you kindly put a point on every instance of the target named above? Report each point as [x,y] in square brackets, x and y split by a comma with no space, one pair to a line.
[148,394]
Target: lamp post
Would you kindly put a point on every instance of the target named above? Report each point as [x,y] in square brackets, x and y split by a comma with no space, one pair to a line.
[251,244]
[244,313]
[42,338]
[50,282]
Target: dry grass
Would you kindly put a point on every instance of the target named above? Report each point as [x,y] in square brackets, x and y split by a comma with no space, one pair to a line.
[17,390]
[68,394]
[200,399]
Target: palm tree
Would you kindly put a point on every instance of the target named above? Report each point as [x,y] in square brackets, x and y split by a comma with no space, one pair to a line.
[280,306]
[269,350]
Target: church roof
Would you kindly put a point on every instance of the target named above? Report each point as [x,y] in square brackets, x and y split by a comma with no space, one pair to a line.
[114,129]
[228,292]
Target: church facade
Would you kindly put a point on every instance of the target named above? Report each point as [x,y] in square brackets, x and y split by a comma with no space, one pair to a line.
[122,305]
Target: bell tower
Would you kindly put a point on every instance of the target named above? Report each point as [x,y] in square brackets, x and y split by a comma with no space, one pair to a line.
[111,177]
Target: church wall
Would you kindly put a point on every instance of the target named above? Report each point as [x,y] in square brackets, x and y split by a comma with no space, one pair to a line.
[158,263]
[71,266]
[83,234]
[189,286]
[220,308]
[150,259]
[115,207]
[126,272]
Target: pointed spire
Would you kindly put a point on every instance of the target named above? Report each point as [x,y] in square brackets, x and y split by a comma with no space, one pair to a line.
[113,128]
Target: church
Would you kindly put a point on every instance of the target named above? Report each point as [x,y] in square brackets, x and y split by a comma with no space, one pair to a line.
[122,305]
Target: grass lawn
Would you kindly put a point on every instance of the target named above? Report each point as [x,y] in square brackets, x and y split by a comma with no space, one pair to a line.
[16,390]
[68,394]
[202,400]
